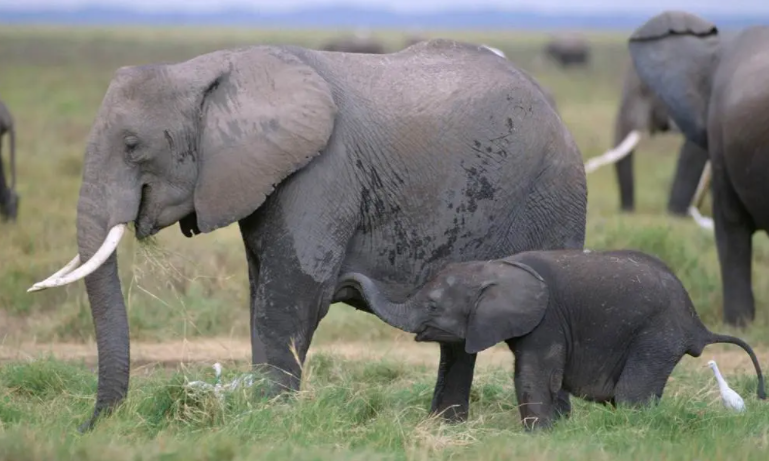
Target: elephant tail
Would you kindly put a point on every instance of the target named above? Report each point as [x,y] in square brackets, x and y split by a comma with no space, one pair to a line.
[726,339]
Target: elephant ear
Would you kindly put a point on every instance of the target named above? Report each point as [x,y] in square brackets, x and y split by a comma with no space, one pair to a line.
[264,115]
[511,304]
[675,54]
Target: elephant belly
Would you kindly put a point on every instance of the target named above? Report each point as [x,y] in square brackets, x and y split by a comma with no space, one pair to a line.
[748,168]
[592,377]
[407,252]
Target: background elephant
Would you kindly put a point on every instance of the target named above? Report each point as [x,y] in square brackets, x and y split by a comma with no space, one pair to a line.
[413,39]
[607,326]
[712,88]
[568,50]
[322,181]
[641,110]
[357,43]
[9,199]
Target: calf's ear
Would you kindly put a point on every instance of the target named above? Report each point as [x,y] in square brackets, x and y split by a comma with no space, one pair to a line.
[511,304]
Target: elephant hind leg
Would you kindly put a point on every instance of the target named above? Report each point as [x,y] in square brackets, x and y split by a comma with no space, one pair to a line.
[734,228]
[646,373]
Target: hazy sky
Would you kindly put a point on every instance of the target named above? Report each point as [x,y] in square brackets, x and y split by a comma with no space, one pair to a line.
[695,6]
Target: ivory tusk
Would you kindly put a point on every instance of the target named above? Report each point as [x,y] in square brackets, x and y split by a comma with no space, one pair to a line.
[102,254]
[702,186]
[613,155]
[699,197]
[702,221]
[66,269]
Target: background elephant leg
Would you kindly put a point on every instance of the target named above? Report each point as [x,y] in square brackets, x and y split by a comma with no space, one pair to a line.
[734,232]
[626,182]
[4,192]
[691,162]
[451,397]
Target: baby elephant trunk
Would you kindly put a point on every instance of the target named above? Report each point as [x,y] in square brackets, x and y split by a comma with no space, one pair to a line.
[398,315]
[726,339]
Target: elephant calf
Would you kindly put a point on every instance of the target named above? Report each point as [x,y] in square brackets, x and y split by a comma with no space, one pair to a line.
[605,326]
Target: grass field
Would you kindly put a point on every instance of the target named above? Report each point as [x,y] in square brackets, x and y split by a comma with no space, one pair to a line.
[367,387]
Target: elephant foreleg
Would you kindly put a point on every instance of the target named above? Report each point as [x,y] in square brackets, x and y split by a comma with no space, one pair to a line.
[626,182]
[734,231]
[286,306]
[451,398]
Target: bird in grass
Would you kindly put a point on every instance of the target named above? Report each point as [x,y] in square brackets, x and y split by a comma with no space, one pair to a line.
[731,399]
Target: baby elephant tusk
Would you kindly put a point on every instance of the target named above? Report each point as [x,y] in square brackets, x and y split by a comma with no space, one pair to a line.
[64,276]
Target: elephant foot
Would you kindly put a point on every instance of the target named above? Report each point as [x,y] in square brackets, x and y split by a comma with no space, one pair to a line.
[9,205]
[739,321]
[678,213]
[98,413]
[270,382]
[627,209]
[452,414]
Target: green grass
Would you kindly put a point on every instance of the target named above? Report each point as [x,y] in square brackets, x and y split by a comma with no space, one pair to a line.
[53,80]
[356,410]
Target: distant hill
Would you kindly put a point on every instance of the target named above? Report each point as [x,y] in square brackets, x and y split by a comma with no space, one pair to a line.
[347,17]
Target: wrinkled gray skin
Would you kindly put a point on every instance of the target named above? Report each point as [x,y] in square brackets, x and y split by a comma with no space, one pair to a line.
[608,326]
[640,109]
[568,50]
[9,199]
[354,44]
[386,165]
[711,88]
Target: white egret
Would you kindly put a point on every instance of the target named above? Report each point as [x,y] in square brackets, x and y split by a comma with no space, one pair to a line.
[731,399]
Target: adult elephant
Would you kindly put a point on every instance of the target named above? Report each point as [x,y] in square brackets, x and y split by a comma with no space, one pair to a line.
[568,50]
[329,163]
[640,110]
[9,199]
[355,44]
[715,91]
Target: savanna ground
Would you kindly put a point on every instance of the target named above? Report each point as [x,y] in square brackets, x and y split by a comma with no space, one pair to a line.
[366,387]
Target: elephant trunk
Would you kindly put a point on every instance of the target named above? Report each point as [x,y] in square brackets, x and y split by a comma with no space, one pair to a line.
[399,315]
[107,307]
[109,200]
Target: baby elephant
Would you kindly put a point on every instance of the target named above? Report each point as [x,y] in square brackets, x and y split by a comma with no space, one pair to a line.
[605,326]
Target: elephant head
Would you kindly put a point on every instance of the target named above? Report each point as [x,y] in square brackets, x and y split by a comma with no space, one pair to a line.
[482,303]
[642,111]
[203,143]
[568,50]
[675,53]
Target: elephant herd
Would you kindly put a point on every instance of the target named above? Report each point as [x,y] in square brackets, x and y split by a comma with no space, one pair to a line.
[395,168]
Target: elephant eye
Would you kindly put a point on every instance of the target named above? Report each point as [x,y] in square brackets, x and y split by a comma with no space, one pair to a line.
[131,142]
[432,306]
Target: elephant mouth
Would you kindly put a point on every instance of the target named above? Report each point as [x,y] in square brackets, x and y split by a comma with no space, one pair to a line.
[189,225]
[435,334]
